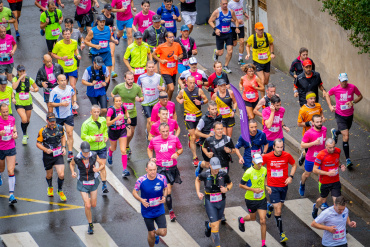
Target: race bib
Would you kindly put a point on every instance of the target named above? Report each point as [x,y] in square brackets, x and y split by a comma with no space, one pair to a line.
[225,29]
[51,77]
[277,173]
[262,56]
[103,44]
[126,3]
[224,110]
[6,137]
[338,235]
[55,32]
[223,169]
[154,201]
[345,107]
[250,95]
[98,85]
[100,137]
[315,154]
[129,106]
[4,57]
[69,62]
[258,151]
[82,6]
[167,163]
[215,197]
[57,151]
[274,129]
[185,62]
[239,12]
[149,91]
[89,183]
[3,47]
[190,117]
[139,71]
[257,195]
[6,101]
[171,64]
[119,122]
[24,96]
[66,99]
[169,24]
[336,171]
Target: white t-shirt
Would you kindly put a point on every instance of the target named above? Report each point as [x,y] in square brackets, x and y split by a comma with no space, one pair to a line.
[330,217]
[238,9]
[58,95]
[149,85]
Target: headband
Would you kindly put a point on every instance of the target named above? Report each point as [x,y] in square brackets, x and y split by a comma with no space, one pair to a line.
[163,96]
[310,95]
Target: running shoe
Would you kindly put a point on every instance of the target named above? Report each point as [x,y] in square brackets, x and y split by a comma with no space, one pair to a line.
[114,75]
[110,158]
[270,208]
[283,238]
[74,112]
[241,225]
[314,211]
[223,219]
[12,199]
[50,191]
[125,173]
[42,32]
[349,163]
[207,232]
[24,140]
[172,216]
[196,162]
[62,196]
[241,62]
[70,157]
[124,34]
[199,169]
[214,56]
[334,135]
[324,206]
[104,188]
[302,188]
[226,69]
[156,239]
[90,230]
[17,35]
[301,159]
[1,180]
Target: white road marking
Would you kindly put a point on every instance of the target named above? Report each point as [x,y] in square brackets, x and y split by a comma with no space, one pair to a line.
[99,238]
[177,236]
[19,239]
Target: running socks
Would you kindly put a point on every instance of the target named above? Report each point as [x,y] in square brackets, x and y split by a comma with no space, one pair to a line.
[104,182]
[24,127]
[240,56]
[11,181]
[50,182]
[346,149]
[124,161]
[216,238]
[60,184]
[110,152]
[169,202]
[263,243]
[279,223]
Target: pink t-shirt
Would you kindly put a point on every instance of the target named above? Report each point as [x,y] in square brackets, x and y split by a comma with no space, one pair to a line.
[6,141]
[120,124]
[312,135]
[6,46]
[118,4]
[83,7]
[276,130]
[186,44]
[143,21]
[164,149]
[170,107]
[155,127]
[44,3]
[343,95]
[50,75]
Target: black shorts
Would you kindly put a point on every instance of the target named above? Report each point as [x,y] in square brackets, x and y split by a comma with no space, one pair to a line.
[251,104]
[102,153]
[50,44]
[191,125]
[224,38]
[160,221]
[214,210]
[228,122]
[334,188]
[9,32]
[172,174]
[26,107]
[241,35]
[9,152]
[205,157]
[344,123]
[100,100]
[133,122]
[16,6]
[114,135]
[278,194]
[254,205]
[262,67]
[50,161]
[85,20]
[169,79]
[68,120]
[148,110]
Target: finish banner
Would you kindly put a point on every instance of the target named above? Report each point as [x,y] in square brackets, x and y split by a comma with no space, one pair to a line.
[244,126]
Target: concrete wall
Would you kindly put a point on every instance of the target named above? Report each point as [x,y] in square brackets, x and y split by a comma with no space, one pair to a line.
[297,23]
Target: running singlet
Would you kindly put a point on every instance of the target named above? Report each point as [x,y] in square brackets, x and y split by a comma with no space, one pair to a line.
[342,96]
[101,38]
[277,168]
[24,97]
[276,130]
[170,107]
[155,127]
[223,22]
[257,178]
[164,149]
[190,108]
[6,141]
[327,162]
[249,93]
[305,114]
[262,54]
[6,97]
[224,104]
[312,135]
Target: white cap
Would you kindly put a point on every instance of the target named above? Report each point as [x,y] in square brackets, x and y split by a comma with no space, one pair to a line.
[257,159]
[343,77]
[192,60]
[215,163]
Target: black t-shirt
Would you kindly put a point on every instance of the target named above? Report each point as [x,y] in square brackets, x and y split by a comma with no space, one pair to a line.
[305,85]
[217,147]
[212,183]
[189,7]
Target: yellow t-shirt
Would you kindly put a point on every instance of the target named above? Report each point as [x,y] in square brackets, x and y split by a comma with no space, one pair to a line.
[62,49]
[262,53]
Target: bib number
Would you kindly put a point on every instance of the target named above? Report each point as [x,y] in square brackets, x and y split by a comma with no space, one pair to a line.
[6,137]
[239,12]
[189,1]
[336,171]
[4,57]
[225,110]
[315,154]
[66,99]
[149,91]
[55,32]
[103,44]
[258,151]
[258,195]
[82,6]
[169,24]
[153,202]
[338,235]
[126,3]
[250,95]
[89,183]
[190,117]
[171,64]
[185,62]
[262,56]
[98,85]
[6,101]
[24,96]
[167,163]
[223,169]
[3,47]
[215,197]
[276,173]
[274,129]
[100,137]
[139,71]
[345,107]
[57,151]
[129,106]
[225,29]
[69,62]
[51,77]
[119,122]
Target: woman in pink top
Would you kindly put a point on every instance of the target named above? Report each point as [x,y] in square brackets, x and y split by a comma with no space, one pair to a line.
[250,84]
[125,18]
[144,18]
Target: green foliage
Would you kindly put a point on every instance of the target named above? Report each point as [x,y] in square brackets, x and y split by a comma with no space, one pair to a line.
[354,16]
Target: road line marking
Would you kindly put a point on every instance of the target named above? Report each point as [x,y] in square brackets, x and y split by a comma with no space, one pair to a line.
[44,202]
[302,208]
[252,234]
[19,239]
[99,238]
[177,236]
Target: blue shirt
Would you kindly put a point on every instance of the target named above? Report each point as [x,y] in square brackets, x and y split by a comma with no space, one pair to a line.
[101,38]
[258,144]
[152,191]
[167,16]
[95,91]
[223,22]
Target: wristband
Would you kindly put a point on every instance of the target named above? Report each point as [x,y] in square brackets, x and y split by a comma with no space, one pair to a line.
[234,110]
[308,124]
[295,91]
[215,28]
[273,52]
[202,102]
[63,146]
[227,188]
[291,176]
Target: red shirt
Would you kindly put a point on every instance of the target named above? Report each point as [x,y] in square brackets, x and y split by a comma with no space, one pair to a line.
[277,168]
[327,162]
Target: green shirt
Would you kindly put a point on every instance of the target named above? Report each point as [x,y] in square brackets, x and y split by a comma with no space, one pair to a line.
[23,102]
[138,54]
[90,129]
[7,13]
[52,28]
[257,178]
[128,96]
[6,97]
[62,49]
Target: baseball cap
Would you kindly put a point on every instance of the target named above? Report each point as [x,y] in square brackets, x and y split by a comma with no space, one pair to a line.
[193,60]
[138,35]
[3,80]
[51,117]
[108,6]
[215,163]
[343,77]
[306,62]
[221,82]
[259,25]
[184,28]
[21,67]
[257,159]
[99,60]
[100,17]
[156,18]
[85,147]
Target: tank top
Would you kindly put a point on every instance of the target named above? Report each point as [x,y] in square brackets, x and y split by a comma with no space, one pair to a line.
[249,93]
[224,104]
[189,105]
[101,38]
[223,22]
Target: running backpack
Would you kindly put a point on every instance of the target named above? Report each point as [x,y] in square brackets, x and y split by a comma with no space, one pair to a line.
[255,40]
[56,17]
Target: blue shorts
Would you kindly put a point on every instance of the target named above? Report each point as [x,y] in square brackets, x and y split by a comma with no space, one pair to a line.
[278,194]
[73,73]
[122,24]
[271,146]
[308,165]
[102,153]
[107,58]
[181,68]
[68,120]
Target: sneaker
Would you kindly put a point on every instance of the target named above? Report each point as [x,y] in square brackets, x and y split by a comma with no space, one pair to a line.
[223,219]
[214,56]
[226,69]
[110,158]
[241,62]
[270,208]
[50,191]
[301,159]
[314,211]
[349,163]
[302,188]
[1,180]
[283,238]
[241,225]
[12,199]
[125,173]
[172,216]
[74,112]
[156,239]
[195,162]
[199,169]
[24,140]
[104,188]
[324,206]
[90,230]
[114,75]
[124,34]
[334,135]
[17,35]
[63,197]
[42,32]
[207,232]
[70,157]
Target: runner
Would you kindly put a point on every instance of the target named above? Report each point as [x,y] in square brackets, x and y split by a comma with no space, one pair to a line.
[170,15]
[163,115]
[188,46]
[88,166]
[50,21]
[254,182]
[52,141]
[200,76]
[168,54]
[130,92]
[297,68]
[6,94]
[220,21]
[8,46]
[47,77]
[124,17]
[76,35]
[193,98]
[216,184]
[277,164]
[153,188]
[16,7]
[163,101]
[144,18]
[139,54]
[117,131]
[43,4]
[65,51]
[306,82]
[263,51]
[189,13]
[238,7]
[265,101]
[273,121]
[95,131]
[96,77]
[6,17]
[215,76]
[258,145]
[167,149]
[333,221]
[63,99]
[250,84]
[327,167]
[313,141]
[151,84]
[226,106]
[8,133]
[84,15]
[23,85]
[344,109]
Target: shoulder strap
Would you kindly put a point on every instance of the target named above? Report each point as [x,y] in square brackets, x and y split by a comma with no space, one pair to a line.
[267,40]
[255,41]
